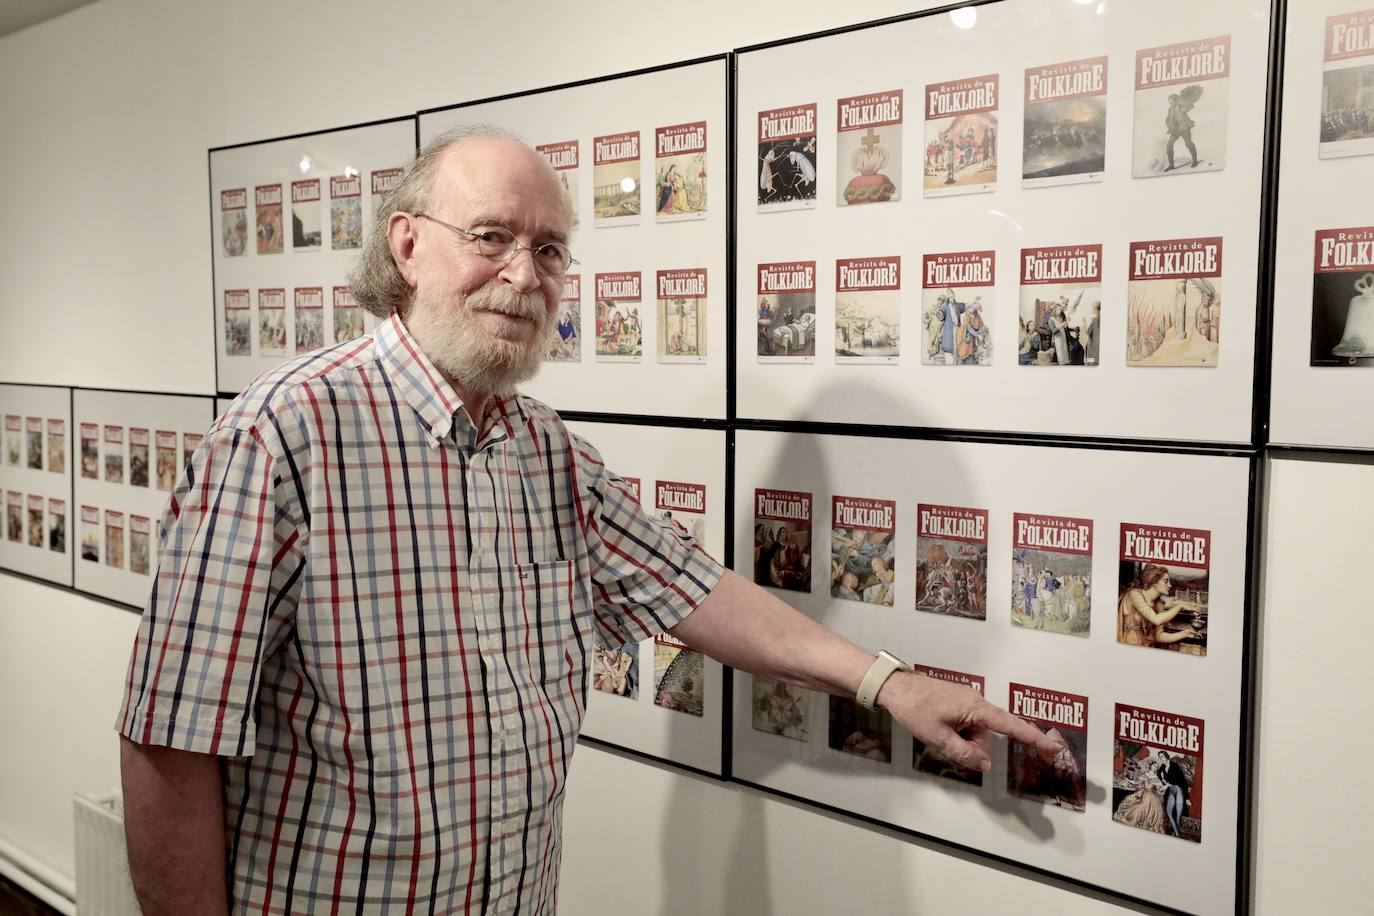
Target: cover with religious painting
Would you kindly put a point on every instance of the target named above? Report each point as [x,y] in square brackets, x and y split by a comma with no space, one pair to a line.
[139,440]
[57,525]
[57,446]
[166,460]
[1343,298]
[926,759]
[35,514]
[861,549]
[1065,135]
[563,157]
[680,172]
[787,312]
[1182,96]
[868,313]
[306,220]
[140,530]
[384,181]
[114,539]
[238,322]
[1163,588]
[1061,306]
[233,221]
[952,561]
[1347,119]
[271,322]
[90,451]
[682,318]
[345,212]
[787,159]
[619,328]
[683,504]
[616,671]
[1173,311]
[309,318]
[1157,772]
[780,708]
[956,305]
[782,539]
[1063,716]
[616,191]
[679,676]
[14,516]
[348,317]
[961,136]
[1051,573]
[33,427]
[114,454]
[868,148]
[858,731]
[90,534]
[267,202]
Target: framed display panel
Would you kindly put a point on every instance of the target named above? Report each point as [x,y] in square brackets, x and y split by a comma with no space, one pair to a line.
[1061,643]
[288,219]
[651,284]
[36,481]
[1324,254]
[844,267]
[677,712]
[131,450]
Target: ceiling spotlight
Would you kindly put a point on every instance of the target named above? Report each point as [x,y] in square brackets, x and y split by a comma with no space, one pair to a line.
[965,17]
[305,164]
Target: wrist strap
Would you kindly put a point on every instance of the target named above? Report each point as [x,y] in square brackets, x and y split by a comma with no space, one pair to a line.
[877,676]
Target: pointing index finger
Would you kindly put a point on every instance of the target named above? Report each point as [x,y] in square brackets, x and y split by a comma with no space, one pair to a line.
[999,720]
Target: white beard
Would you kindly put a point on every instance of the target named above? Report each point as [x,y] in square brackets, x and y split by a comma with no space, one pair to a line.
[477,360]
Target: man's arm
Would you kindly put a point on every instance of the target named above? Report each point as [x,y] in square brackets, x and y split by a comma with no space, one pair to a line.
[746,627]
[174,826]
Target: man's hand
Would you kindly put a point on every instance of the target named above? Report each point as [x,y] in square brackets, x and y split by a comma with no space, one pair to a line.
[955,720]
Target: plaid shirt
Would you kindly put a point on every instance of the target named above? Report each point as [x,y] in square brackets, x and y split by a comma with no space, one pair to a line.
[381,616]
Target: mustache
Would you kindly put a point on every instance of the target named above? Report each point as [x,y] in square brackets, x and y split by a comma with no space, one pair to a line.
[494,297]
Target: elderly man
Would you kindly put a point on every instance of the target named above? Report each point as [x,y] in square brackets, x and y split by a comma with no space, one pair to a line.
[362,671]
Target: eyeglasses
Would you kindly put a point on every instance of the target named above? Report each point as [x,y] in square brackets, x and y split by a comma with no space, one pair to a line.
[552,259]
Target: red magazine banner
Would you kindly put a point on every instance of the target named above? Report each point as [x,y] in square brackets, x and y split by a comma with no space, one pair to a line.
[384,181]
[572,288]
[343,298]
[234,199]
[1176,259]
[680,497]
[1349,35]
[1052,532]
[614,287]
[34,424]
[952,523]
[138,437]
[57,427]
[961,97]
[559,155]
[237,300]
[865,514]
[787,123]
[1063,264]
[303,192]
[1188,547]
[1049,708]
[688,283]
[309,297]
[166,439]
[787,277]
[680,139]
[868,273]
[1341,250]
[634,486]
[959,268]
[1075,79]
[13,424]
[973,681]
[782,505]
[266,195]
[341,186]
[1188,62]
[90,515]
[615,148]
[877,109]
[114,435]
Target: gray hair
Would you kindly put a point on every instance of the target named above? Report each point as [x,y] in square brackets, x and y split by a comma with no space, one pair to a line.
[377,283]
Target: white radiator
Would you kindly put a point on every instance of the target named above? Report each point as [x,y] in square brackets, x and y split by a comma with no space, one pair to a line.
[102,862]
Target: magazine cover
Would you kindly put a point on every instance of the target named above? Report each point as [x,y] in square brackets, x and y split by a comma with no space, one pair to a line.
[787,158]
[961,136]
[346,211]
[90,451]
[189,443]
[233,221]
[1157,772]
[780,708]
[1061,306]
[682,315]
[956,302]
[114,539]
[271,322]
[384,181]
[633,484]
[952,561]
[166,460]
[33,427]
[858,731]
[868,148]
[925,759]
[348,317]
[14,431]
[782,539]
[14,516]
[36,530]
[616,671]
[1065,136]
[1343,298]
[1063,782]
[619,330]
[238,323]
[564,159]
[861,549]
[787,312]
[57,446]
[139,531]
[138,457]
[1182,95]
[868,299]
[1051,573]
[565,340]
[57,525]
[679,676]
[680,172]
[90,534]
[1347,125]
[267,201]
[1163,588]
[615,180]
[309,318]
[306,234]
[684,504]
[114,454]
[1173,312]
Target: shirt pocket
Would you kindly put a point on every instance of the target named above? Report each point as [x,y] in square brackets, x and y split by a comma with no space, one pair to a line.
[545,601]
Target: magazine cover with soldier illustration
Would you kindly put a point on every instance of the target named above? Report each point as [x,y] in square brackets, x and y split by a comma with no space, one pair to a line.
[925,759]
[952,561]
[1164,588]
[1157,772]
[787,158]
[961,136]
[1051,573]
[1347,116]
[1343,298]
[1182,96]
[1173,311]
[868,149]
[782,539]
[1062,716]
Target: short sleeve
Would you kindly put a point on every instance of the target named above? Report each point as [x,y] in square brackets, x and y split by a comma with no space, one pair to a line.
[647,576]
[222,601]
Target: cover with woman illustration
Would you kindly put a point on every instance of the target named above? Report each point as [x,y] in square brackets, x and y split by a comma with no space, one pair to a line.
[782,539]
[1163,579]
[1157,772]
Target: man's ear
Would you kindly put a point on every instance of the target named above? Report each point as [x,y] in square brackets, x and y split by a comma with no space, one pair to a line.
[400,235]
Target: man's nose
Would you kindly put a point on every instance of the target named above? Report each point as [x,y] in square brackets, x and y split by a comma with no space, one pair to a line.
[520,271]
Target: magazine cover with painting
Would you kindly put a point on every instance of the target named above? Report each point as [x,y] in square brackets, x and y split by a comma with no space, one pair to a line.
[114,539]
[14,432]
[1182,96]
[868,310]
[787,312]
[563,158]
[679,676]
[868,148]
[267,209]
[35,515]
[925,759]
[1347,105]
[348,317]
[233,219]
[683,504]
[952,561]
[680,172]
[57,525]
[787,158]
[858,731]
[619,329]
[272,322]
[1343,298]
[1064,717]
[1164,588]
[1157,772]
[782,539]
[616,671]
[565,339]
[1061,306]
[682,315]
[90,451]
[779,708]
[114,454]
[57,446]
[956,305]
[961,136]
[1173,311]
[1065,133]
[167,467]
[861,549]
[90,534]
[140,529]
[616,192]
[189,443]
[346,211]
[33,428]
[238,322]
[306,232]
[14,516]
[384,181]
[139,440]
[309,318]
[1051,573]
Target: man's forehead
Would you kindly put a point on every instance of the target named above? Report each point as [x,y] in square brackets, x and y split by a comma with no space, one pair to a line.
[504,182]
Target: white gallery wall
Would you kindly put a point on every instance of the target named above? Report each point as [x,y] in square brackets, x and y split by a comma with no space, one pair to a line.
[106,114]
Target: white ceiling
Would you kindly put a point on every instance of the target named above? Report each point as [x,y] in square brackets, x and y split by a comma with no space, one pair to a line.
[20,14]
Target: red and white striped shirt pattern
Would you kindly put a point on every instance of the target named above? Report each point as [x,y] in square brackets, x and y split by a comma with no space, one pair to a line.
[382,615]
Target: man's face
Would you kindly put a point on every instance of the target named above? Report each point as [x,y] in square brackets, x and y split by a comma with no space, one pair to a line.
[481,321]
